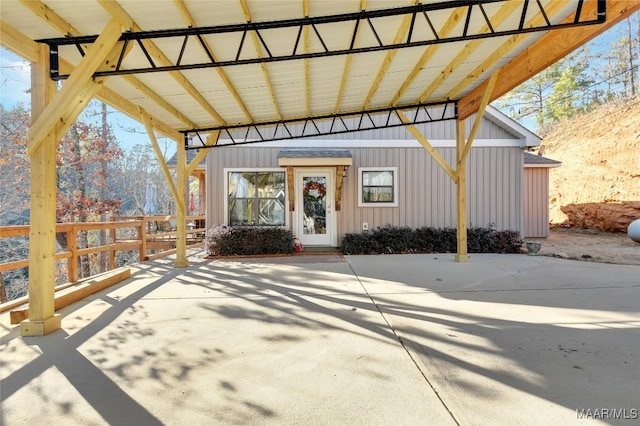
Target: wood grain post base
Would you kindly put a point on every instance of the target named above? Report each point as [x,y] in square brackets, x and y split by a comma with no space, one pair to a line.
[40,327]
[181,263]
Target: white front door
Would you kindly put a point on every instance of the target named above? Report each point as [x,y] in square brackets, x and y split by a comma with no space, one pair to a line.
[315,217]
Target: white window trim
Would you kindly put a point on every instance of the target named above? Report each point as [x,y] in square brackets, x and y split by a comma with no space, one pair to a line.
[225,189]
[395,186]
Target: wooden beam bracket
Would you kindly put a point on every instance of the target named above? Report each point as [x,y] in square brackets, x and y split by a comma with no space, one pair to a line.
[427,145]
[148,124]
[476,124]
[212,141]
[77,90]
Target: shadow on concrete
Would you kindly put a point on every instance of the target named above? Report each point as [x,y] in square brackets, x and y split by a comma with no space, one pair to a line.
[537,329]
[506,339]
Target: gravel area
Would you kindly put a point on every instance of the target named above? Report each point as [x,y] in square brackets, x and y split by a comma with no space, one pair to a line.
[590,245]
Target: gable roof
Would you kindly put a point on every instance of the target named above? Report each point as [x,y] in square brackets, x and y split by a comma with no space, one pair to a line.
[531,160]
[191,153]
[495,115]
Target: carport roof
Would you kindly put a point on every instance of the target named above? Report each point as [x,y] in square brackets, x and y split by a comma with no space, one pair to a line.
[194,65]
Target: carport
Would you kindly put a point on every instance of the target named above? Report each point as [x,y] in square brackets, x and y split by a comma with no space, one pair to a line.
[194,70]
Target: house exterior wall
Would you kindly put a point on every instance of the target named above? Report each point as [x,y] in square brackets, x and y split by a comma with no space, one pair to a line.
[427,196]
[535,202]
[426,193]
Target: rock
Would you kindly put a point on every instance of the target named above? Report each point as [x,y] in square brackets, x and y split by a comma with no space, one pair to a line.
[610,217]
[597,185]
[533,247]
[561,255]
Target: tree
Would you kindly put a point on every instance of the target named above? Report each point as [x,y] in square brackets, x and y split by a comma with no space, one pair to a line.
[569,94]
[601,71]
[131,173]
[14,196]
[632,68]
[528,99]
[82,180]
[14,166]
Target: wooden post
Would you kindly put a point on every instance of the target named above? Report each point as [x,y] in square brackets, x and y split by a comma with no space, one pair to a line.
[72,246]
[463,148]
[112,253]
[181,187]
[142,236]
[202,193]
[461,193]
[42,234]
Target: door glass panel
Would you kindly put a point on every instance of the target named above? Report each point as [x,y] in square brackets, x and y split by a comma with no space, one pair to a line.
[314,191]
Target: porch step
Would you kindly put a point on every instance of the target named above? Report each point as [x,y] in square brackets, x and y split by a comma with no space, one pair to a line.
[321,249]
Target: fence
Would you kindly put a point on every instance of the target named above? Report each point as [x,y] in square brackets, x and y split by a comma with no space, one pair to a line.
[152,236]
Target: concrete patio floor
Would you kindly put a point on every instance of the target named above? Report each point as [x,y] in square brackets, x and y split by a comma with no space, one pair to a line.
[326,340]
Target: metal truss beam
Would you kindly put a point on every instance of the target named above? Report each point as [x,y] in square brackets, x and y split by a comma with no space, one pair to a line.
[322,125]
[320,27]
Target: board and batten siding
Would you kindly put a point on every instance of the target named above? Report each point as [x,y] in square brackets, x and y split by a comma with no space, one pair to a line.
[536,202]
[426,193]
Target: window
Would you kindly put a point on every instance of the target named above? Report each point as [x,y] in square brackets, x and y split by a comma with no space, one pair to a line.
[378,187]
[256,198]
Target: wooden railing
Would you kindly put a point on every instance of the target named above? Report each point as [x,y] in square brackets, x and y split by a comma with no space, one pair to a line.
[159,233]
[146,233]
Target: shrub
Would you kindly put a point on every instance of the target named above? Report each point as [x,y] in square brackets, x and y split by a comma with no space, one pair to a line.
[480,240]
[389,240]
[506,241]
[222,240]
[437,240]
[357,244]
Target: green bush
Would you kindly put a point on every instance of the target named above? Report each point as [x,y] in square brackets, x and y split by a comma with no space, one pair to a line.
[222,240]
[389,240]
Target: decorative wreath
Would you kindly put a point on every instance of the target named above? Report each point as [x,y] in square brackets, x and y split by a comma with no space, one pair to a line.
[314,191]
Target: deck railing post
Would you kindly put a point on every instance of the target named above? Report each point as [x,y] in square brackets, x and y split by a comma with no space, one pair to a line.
[112,253]
[142,237]
[72,246]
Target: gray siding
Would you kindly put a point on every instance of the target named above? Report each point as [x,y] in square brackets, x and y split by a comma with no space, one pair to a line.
[427,196]
[536,202]
[426,193]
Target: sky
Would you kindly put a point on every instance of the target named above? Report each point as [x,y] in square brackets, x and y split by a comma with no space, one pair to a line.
[15,84]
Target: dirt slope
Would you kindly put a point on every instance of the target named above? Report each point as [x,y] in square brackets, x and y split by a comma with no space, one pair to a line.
[598,184]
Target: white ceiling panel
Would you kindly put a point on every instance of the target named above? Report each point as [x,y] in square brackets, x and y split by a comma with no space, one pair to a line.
[365,71]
